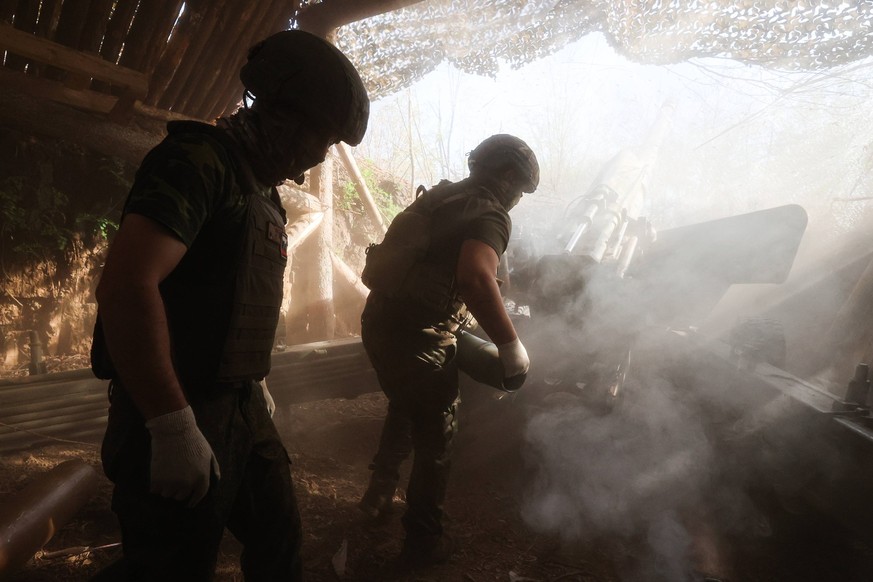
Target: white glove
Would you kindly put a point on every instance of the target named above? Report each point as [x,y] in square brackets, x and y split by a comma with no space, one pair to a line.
[182,460]
[514,358]
[271,404]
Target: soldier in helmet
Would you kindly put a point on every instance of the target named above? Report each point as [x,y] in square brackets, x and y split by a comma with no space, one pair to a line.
[188,306]
[438,263]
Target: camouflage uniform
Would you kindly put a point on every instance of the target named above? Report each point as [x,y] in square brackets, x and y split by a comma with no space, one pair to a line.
[413,352]
[195,185]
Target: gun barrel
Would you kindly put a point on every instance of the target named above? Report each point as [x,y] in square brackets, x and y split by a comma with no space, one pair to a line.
[587,219]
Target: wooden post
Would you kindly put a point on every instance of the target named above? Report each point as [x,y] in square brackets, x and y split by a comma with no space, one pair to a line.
[321,309]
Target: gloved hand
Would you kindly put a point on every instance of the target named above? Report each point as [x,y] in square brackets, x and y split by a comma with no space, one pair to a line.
[271,404]
[514,358]
[182,461]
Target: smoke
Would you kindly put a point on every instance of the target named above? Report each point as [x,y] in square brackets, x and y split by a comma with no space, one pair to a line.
[646,464]
[627,473]
[742,139]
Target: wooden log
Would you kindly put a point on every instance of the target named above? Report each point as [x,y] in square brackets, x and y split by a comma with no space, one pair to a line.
[350,296]
[95,25]
[52,53]
[274,20]
[74,14]
[183,34]
[152,23]
[197,91]
[361,186]
[25,20]
[299,232]
[227,89]
[7,10]
[141,29]
[49,16]
[31,517]
[117,28]
[349,276]
[194,61]
[46,27]
[193,85]
[26,14]
[158,41]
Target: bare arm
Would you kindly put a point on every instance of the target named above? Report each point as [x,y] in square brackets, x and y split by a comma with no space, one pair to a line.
[132,313]
[477,283]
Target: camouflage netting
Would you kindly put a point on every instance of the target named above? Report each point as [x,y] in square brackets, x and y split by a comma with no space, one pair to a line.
[395,49]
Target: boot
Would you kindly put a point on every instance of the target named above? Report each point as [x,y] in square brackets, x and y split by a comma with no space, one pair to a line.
[378,500]
[426,550]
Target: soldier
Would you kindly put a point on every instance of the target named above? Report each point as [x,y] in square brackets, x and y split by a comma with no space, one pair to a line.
[439,259]
[188,305]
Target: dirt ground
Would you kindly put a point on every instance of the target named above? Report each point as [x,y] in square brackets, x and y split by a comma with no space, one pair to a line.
[331,443]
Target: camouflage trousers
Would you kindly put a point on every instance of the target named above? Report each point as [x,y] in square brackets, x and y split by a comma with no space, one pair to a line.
[163,540]
[418,373]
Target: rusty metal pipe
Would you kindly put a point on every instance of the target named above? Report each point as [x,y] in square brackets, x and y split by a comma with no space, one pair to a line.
[32,516]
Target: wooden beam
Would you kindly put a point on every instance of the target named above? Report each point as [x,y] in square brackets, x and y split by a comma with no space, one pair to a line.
[52,53]
[57,91]
[92,131]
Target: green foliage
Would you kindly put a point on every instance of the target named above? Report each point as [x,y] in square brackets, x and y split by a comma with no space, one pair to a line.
[49,202]
[384,200]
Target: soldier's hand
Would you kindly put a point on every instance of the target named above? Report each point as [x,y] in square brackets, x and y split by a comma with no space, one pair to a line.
[514,358]
[182,462]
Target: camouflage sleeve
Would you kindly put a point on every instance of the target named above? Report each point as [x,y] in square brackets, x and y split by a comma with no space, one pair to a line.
[182,182]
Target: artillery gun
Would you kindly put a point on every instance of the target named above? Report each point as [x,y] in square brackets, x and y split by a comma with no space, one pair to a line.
[608,276]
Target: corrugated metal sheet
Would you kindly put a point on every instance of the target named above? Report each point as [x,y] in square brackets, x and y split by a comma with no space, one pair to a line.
[73,405]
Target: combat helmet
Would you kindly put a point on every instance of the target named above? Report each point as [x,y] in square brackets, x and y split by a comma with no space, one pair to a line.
[506,151]
[303,72]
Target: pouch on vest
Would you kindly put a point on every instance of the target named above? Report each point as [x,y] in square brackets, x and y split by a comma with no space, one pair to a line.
[389,263]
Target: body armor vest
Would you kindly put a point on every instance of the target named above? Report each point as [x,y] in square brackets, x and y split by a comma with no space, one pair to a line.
[399,267]
[224,296]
